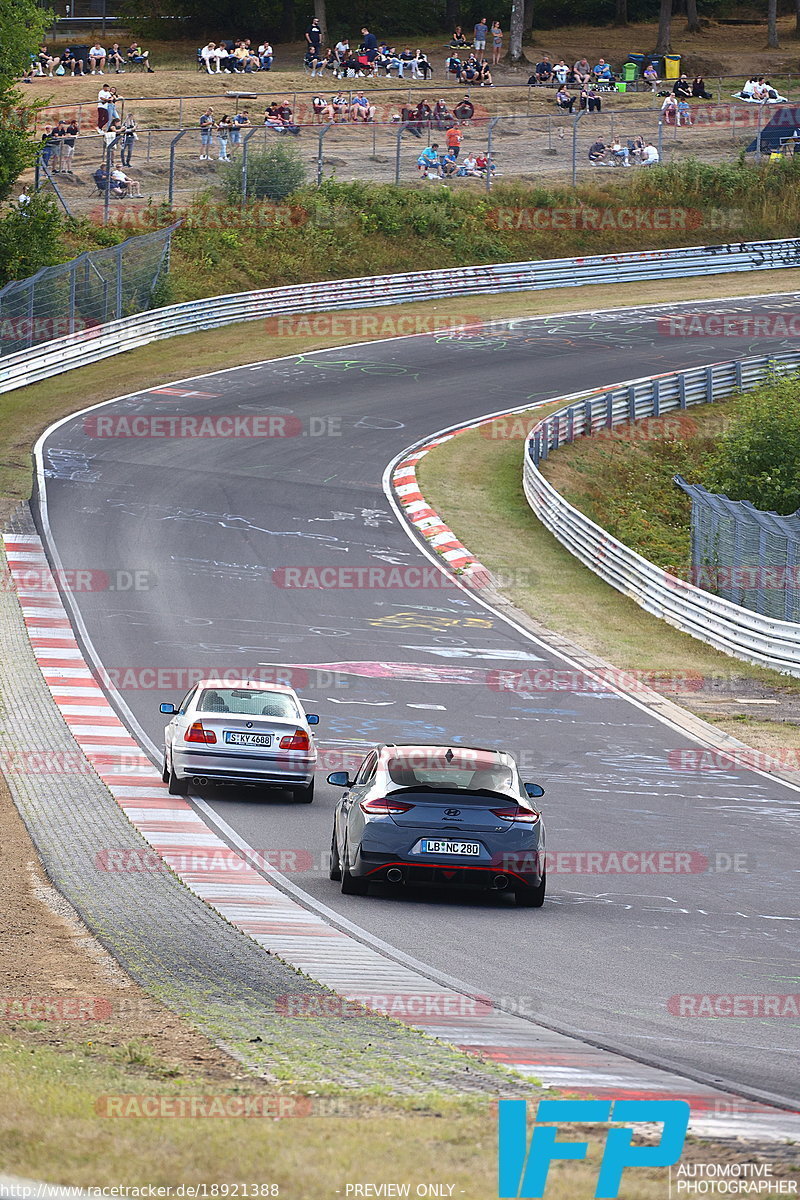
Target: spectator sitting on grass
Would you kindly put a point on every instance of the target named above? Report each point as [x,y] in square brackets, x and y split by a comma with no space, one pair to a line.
[699,88]
[455,67]
[597,152]
[128,187]
[590,100]
[544,71]
[423,65]
[429,160]
[484,74]
[105,183]
[564,100]
[469,166]
[70,63]
[464,111]
[582,71]
[650,155]
[266,56]
[458,41]
[49,62]
[562,73]
[361,109]
[448,164]
[684,113]
[469,72]
[484,165]
[602,72]
[682,88]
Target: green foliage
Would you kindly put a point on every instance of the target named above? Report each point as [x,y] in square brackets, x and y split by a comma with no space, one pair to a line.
[30,238]
[22,24]
[272,174]
[758,458]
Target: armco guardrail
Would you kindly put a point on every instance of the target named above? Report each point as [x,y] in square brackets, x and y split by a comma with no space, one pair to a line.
[734,630]
[92,345]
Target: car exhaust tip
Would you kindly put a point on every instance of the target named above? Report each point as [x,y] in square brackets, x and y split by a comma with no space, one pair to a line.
[199,781]
[500,882]
[394,875]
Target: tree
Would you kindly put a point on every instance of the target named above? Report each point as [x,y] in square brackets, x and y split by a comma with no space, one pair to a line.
[515,57]
[692,19]
[663,43]
[322,17]
[23,24]
[772,25]
[621,12]
[528,19]
[272,174]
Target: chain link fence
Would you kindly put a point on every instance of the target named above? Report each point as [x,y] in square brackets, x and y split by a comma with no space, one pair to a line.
[749,557]
[78,296]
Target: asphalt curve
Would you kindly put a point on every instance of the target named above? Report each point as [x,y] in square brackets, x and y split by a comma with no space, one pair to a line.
[215,520]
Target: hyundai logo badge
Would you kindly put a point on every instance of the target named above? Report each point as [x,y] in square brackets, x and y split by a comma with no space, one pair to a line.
[452,812]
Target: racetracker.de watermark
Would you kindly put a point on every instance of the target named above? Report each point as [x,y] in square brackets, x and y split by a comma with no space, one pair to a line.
[358,326]
[209,425]
[626,862]
[76,579]
[728,324]
[180,679]
[674,428]
[588,219]
[271,1107]
[353,578]
[442,1008]
[548,679]
[786,757]
[747,1004]
[55,1008]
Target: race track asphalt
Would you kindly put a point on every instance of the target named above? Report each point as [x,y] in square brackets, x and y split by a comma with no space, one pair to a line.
[212,520]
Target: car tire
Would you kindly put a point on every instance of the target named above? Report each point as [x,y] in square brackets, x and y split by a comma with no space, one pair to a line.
[352,885]
[175,786]
[335,869]
[532,897]
[304,795]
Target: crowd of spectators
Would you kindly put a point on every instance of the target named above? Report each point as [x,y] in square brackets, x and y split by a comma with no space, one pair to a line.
[618,154]
[95,60]
[235,58]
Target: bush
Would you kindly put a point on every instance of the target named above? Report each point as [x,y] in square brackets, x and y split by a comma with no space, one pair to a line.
[758,458]
[30,238]
[272,174]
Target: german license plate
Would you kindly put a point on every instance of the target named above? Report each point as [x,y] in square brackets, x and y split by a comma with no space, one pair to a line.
[247,739]
[429,846]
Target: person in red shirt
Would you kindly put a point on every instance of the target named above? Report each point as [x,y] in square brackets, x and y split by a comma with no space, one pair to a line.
[454,138]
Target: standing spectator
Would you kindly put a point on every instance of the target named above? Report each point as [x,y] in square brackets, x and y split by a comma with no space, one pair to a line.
[111,104]
[68,146]
[240,121]
[209,56]
[497,42]
[114,59]
[97,59]
[206,132]
[265,56]
[223,133]
[314,37]
[481,30]
[59,133]
[127,139]
[49,144]
[699,88]
[369,44]
[454,138]
[582,71]
[103,97]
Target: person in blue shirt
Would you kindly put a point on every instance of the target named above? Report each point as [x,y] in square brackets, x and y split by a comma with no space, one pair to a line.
[481,30]
[602,71]
[429,160]
[448,163]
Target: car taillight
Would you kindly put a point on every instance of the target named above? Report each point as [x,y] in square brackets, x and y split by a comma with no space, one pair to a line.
[523,816]
[196,733]
[299,740]
[380,806]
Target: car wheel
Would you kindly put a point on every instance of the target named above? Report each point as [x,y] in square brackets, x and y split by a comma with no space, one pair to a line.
[304,795]
[352,885]
[532,897]
[335,869]
[175,786]
[165,770]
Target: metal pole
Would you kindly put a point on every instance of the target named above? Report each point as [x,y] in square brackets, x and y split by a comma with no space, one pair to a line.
[397,155]
[758,133]
[245,151]
[149,138]
[492,124]
[118,306]
[107,195]
[320,159]
[660,138]
[72,288]
[180,113]
[575,146]
[172,146]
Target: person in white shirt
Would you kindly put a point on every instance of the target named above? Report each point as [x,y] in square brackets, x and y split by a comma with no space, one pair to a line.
[649,155]
[209,56]
[129,187]
[265,56]
[97,59]
[561,71]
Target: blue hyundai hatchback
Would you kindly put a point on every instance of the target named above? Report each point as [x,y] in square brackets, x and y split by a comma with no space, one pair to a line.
[455,816]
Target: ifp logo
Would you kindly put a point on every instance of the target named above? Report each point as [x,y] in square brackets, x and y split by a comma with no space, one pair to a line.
[522,1168]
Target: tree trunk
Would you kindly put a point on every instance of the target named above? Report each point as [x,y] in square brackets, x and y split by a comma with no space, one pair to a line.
[452,14]
[797,19]
[663,44]
[515,57]
[621,12]
[692,19]
[288,27]
[772,25]
[320,14]
[528,19]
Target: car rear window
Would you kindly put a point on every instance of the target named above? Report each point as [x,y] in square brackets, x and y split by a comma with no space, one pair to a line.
[453,770]
[254,703]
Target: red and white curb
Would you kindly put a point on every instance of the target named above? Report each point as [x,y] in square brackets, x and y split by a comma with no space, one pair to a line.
[341,961]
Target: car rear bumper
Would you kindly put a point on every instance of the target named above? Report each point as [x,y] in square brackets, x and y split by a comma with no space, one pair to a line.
[215,764]
[448,873]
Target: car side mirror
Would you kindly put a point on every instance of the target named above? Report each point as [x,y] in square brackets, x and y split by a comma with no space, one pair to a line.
[168,709]
[534,790]
[339,779]
[312,718]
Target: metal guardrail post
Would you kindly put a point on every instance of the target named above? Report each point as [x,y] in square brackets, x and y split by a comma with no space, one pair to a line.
[72,289]
[245,152]
[172,146]
[398,139]
[118,313]
[761,108]
[578,116]
[320,157]
[489,133]
[660,139]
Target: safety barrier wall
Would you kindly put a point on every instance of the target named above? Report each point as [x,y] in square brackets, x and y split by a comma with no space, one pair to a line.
[710,618]
[92,345]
